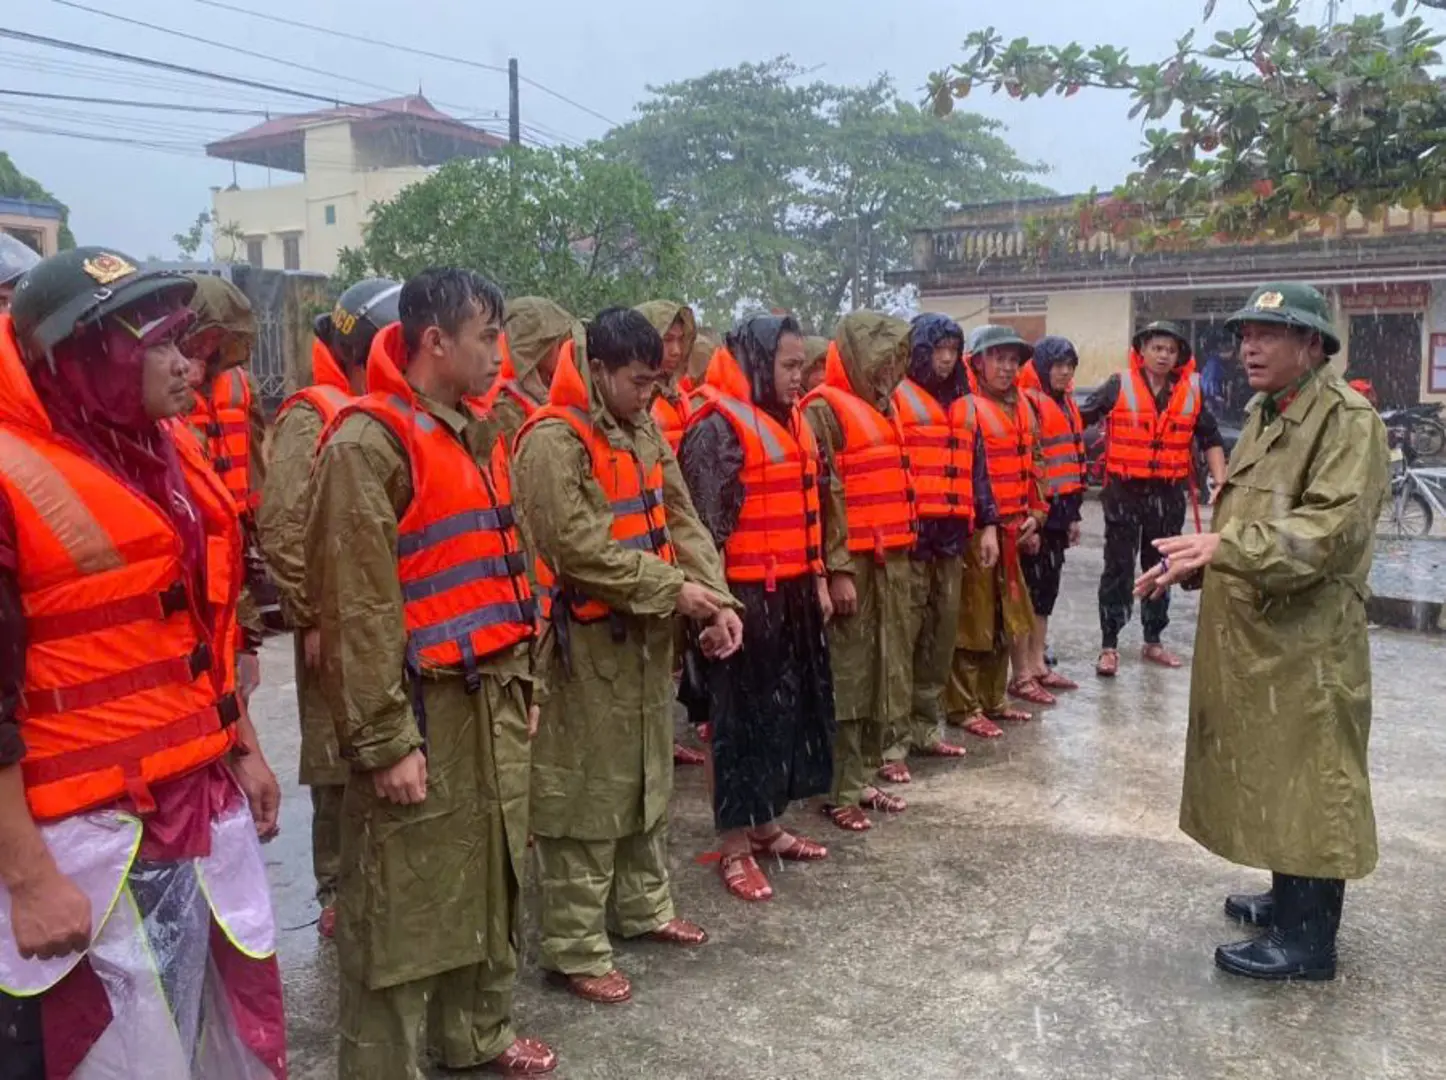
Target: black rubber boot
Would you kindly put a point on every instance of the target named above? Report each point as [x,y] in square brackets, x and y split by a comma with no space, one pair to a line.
[1255,909]
[1301,942]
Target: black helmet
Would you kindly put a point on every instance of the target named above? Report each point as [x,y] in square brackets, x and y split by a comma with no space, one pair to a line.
[360,312]
[15,259]
[63,293]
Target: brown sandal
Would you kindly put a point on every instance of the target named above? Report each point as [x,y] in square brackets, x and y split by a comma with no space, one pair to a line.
[678,932]
[1108,665]
[981,727]
[944,750]
[686,755]
[1029,690]
[1053,680]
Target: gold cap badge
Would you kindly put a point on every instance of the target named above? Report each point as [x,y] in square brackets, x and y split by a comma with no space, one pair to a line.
[107,268]
[1269,301]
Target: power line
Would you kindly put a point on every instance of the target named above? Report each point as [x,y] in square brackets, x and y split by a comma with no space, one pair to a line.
[222,45]
[335,33]
[133,104]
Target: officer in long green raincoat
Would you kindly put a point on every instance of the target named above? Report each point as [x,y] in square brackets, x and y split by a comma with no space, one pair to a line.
[1280,695]
[338,375]
[536,327]
[602,762]
[434,818]
[871,649]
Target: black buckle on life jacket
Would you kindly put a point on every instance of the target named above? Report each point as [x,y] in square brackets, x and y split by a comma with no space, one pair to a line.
[200,659]
[648,497]
[214,429]
[810,517]
[904,458]
[175,598]
[951,472]
[529,609]
[221,464]
[228,710]
[506,518]
[516,563]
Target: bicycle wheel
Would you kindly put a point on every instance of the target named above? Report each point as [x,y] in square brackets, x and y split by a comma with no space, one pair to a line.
[1413,516]
[1428,437]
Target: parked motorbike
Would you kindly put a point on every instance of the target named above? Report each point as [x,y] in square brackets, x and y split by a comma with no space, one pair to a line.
[1421,426]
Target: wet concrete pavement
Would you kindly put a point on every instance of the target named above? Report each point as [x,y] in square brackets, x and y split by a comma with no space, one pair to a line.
[1036,913]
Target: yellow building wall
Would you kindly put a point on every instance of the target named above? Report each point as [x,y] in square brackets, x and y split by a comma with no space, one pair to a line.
[1098,323]
[968,311]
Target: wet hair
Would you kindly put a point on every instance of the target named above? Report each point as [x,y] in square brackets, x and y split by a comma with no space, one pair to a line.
[617,336]
[445,297]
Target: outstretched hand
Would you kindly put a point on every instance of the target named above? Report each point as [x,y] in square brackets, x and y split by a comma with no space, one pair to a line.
[1183,557]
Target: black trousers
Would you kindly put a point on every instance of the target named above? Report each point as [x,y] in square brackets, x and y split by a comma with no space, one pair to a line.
[1043,570]
[21,1055]
[1137,513]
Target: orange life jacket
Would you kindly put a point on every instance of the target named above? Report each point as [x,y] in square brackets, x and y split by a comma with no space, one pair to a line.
[463,573]
[639,514]
[329,392]
[1061,435]
[878,489]
[1141,443]
[224,421]
[672,419]
[128,675]
[941,451]
[778,536]
[1008,451]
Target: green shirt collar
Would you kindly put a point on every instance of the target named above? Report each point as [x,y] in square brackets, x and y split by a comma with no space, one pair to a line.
[1276,403]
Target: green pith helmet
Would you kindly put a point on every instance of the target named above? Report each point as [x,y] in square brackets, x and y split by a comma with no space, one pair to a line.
[1169,329]
[82,286]
[987,337]
[359,314]
[1292,304]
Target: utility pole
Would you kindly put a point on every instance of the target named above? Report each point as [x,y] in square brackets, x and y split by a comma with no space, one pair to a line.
[514,105]
[1332,7]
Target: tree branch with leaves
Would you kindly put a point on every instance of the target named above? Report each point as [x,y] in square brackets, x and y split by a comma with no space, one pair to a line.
[1263,128]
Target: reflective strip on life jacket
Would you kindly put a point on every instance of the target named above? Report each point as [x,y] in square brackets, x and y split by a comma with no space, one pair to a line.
[778,536]
[878,489]
[460,564]
[326,400]
[127,675]
[1008,450]
[224,421]
[1061,441]
[1144,444]
[941,452]
[636,502]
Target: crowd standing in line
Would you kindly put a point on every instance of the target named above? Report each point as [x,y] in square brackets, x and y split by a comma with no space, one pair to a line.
[506,540]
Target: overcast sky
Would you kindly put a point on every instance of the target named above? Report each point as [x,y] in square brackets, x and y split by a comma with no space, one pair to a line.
[601,53]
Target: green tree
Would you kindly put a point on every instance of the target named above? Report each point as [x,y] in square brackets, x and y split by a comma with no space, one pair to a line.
[802,194]
[567,224]
[1268,125]
[206,230]
[14,184]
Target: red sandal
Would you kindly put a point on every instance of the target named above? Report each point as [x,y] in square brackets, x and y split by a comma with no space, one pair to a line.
[895,772]
[1053,680]
[982,727]
[848,818]
[1108,665]
[1159,655]
[788,847]
[686,755]
[326,924]
[1029,690]
[743,878]
[884,803]
[944,749]
[525,1057]
[610,989]
[1012,716]
[678,932]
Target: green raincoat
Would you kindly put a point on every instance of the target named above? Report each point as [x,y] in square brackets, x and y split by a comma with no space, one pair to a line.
[429,888]
[872,652]
[603,758]
[662,314]
[1280,692]
[535,326]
